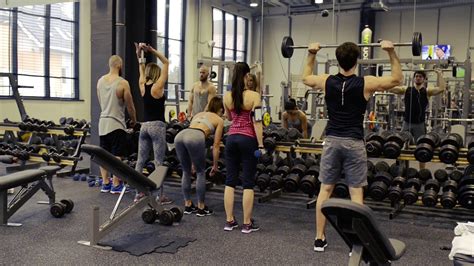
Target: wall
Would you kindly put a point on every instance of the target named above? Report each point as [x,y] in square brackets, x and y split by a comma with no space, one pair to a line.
[53,110]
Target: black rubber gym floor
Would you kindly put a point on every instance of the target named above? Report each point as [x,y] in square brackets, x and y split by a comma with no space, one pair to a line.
[286,235]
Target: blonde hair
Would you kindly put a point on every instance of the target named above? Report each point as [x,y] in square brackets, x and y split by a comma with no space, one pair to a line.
[152,72]
[254,79]
[115,61]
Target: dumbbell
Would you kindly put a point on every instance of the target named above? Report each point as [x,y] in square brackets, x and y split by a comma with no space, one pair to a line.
[283,170]
[150,167]
[298,160]
[341,190]
[58,209]
[382,166]
[397,169]
[378,189]
[456,175]
[449,149]
[396,189]
[310,184]
[263,181]
[441,175]
[394,143]
[291,182]
[260,168]
[56,156]
[424,175]
[294,134]
[466,192]
[265,158]
[448,199]
[299,169]
[310,161]
[217,178]
[425,146]
[370,166]
[410,193]
[412,173]
[470,153]
[270,141]
[276,182]
[430,196]
[374,143]
[270,169]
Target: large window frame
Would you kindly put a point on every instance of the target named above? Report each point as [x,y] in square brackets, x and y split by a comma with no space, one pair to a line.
[234,49]
[170,84]
[46,77]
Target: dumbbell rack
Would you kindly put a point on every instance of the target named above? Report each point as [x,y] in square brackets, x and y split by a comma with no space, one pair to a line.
[72,160]
[407,155]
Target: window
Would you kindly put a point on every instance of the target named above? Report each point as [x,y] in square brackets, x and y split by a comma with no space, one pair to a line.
[38,44]
[229,33]
[170,39]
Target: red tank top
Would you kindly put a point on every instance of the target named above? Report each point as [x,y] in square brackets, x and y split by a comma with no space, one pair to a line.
[242,124]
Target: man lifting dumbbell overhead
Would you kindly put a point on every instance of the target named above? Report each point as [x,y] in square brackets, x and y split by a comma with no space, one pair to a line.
[346,97]
[190,147]
[152,83]
[201,93]
[416,101]
[114,96]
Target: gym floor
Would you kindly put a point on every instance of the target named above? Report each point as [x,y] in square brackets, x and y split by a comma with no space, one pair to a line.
[286,235]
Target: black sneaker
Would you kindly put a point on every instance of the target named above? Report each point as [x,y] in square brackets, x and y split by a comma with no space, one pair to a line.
[190,209]
[319,245]
[204,212]
[249,228]
[229,226]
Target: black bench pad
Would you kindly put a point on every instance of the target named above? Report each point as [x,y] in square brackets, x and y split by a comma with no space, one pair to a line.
[20,178]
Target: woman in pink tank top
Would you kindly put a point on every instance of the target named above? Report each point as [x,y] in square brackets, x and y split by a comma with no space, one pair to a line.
[244,138]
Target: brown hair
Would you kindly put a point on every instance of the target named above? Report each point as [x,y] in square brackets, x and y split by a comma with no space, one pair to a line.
[152,72]
[215,105]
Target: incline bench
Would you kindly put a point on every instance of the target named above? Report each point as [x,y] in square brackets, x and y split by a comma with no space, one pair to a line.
[30,181]
[357,226]
[143,184]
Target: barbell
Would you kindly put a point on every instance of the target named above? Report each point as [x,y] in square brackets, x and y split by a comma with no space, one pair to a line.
[287,45]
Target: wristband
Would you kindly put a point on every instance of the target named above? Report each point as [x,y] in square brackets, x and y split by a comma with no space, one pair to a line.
[141,60]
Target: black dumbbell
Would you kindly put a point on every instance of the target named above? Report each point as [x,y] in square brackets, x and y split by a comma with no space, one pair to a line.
[448,199]
[410,193]
[470,153]
[276,182]
[397,169]
[378,189]
[56,156]
[291,182]
[270,169]
[412,173]
[341,190]
[374,143]
[396,189]
[150,167]
[449,149]
[310,161]
[266,159]
[260,168]
[270,141]
[299,169]
[310,185]
[370,166]
[394,143]
[425,146]
[263,181]
[294,134]
[382,166]
[430,196]
[283,170]
[466,192]
[456,175]
[441,175]
[279,161]
[424,175]
[170,135]
[298,160]
[217,178]
[313,170]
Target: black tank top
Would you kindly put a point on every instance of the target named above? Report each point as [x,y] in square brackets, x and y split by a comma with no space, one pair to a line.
[346,106]
[154,109]
[415,105]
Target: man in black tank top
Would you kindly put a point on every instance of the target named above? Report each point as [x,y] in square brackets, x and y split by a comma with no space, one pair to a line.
[416,101]
[346,97]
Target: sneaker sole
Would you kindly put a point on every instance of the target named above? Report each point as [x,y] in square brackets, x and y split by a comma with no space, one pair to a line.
[189,212]
[249,231]
[104,191]
[230,228]
[202,215]
[320,249]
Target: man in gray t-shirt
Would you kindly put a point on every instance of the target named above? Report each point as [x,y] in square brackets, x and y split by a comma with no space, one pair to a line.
[201,93]
[114,96]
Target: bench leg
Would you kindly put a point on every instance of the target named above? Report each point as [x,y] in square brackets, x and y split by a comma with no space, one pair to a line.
[4,209]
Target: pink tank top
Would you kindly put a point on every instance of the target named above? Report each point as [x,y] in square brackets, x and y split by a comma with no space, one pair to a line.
[242,124]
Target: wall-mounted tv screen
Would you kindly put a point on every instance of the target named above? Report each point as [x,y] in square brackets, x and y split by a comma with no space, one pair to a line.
[436,51]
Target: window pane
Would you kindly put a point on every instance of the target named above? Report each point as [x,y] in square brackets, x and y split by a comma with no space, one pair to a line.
[229,31]
[175,23]
[33,10]
[36,82]
[63,11]
[171,91]
[216,53]
[62,87]
[229,55]
[161,16]
[5,89]
[241,33]
[218,27]
[160,44]
[240,57]
[62,48]
[5,51]
[30,45]
[175,61]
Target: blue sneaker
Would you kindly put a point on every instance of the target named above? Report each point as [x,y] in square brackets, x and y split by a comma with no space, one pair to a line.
[118,189]
[106,187]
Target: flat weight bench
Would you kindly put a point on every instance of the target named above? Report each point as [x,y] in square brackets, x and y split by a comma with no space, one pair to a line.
[357,226]
[30,181]
[143,184]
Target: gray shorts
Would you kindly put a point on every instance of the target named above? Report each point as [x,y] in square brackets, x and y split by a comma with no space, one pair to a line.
[416,130]
[343,156]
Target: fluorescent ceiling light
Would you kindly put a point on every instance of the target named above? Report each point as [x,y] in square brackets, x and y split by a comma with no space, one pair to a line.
[318,1]
[253,3]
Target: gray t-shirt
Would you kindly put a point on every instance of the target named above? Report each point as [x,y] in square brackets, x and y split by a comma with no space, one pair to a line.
[112,116]
[199,101]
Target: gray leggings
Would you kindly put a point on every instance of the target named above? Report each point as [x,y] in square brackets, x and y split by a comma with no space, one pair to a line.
[152,135]
[190,145]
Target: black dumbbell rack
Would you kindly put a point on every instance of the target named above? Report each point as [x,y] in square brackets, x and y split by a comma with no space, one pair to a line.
[72,160]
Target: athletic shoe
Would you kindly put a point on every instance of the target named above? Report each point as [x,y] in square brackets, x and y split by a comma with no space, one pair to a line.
[229,226]
[320,244]
[106,187]
[249,228]
[118,189]
[163,200]
[138,196]
[204,212]
[190,209]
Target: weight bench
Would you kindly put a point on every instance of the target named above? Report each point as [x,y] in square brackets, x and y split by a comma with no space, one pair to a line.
[357,226]
[143,184]
[30,181]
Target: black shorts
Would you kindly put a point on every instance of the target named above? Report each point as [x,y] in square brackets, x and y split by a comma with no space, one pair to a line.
[115,142]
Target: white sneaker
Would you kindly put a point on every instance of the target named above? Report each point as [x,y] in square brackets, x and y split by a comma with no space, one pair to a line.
[11,191]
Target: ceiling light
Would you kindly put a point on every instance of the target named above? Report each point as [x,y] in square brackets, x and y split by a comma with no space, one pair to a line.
[253,3]
[318,1]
